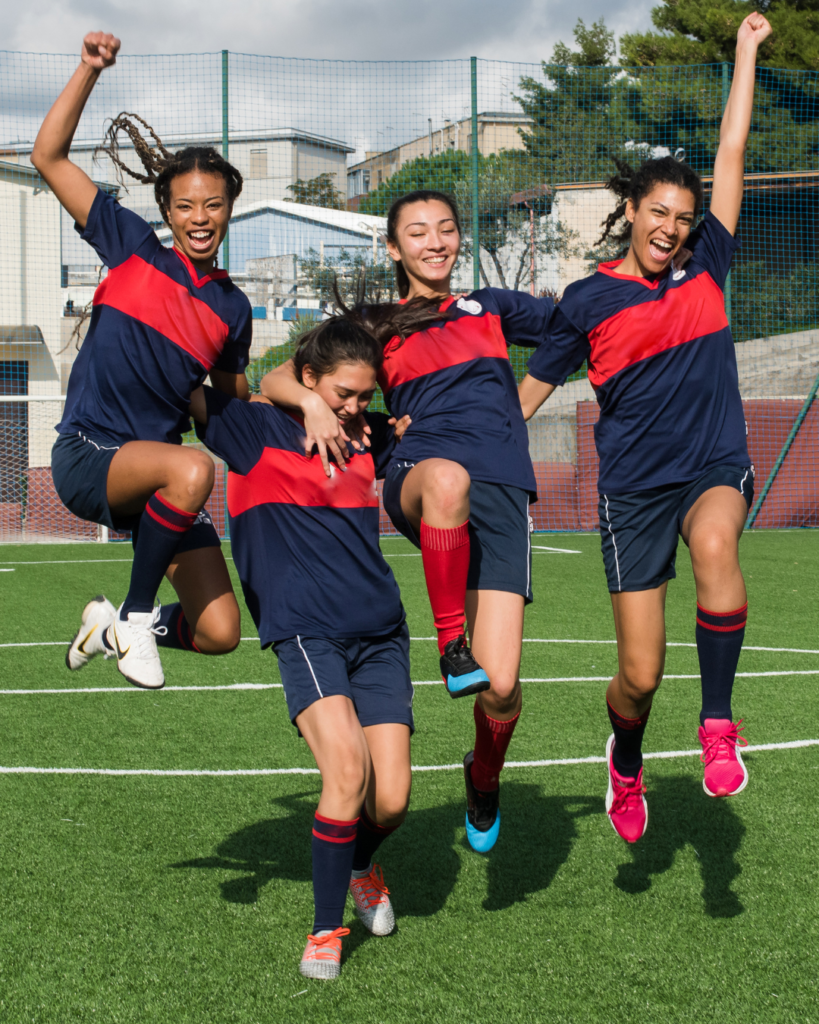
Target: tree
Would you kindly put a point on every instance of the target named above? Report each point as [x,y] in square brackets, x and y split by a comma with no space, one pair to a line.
[318,191]
[704,32]
[348,271]
[439,172]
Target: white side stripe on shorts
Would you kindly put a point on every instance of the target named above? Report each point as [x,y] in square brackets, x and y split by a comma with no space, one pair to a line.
[529,525]
[312,673]
[742,483]
[614,539]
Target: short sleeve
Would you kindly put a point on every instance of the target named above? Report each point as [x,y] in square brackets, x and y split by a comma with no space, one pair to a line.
[524,318]
[382,441]
[114,232]
[235,430]
[713,247]
[235,354]
[562,353]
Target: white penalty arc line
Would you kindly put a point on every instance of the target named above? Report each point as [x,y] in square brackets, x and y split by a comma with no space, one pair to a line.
[417,682]
[553,763]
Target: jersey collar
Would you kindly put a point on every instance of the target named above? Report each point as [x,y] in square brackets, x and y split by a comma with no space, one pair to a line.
[214,275]
[610,269]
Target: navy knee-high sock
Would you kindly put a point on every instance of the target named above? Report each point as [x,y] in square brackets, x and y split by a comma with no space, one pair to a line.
[627,754]
[161,527]
[179,634]
[369,837]
[333,849]
[719,642]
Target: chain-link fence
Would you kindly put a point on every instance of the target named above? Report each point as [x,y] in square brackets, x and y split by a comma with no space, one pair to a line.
[324,147]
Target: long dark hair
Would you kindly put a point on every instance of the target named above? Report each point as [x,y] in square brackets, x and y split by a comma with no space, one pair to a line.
[337,340]
[387,320]
[161,165]
[635,185]
[423,195]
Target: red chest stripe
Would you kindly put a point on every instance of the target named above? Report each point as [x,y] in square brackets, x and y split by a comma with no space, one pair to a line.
[683,314]
[138,289]
[287,478]
[438,348]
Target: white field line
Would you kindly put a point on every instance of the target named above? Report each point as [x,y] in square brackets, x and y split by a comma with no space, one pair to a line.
[664,754]
[417,682]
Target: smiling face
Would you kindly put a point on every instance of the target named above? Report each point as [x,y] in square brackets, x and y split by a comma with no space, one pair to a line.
[198,216]
[348,390]
[426,242]
[661,225]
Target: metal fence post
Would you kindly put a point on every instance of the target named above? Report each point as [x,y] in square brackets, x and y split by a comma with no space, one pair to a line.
[726,88]
[476,230]
[225,145]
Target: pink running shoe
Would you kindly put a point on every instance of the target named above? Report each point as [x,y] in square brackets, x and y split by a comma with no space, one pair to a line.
[725,774]
[625,804]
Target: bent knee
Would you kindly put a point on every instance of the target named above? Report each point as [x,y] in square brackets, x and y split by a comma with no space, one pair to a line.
[197,476]
[349,781]
[219,643]
[641,682]
[447,484]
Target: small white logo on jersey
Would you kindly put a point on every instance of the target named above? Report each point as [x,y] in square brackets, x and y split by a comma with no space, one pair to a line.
[678,275]
[469,306]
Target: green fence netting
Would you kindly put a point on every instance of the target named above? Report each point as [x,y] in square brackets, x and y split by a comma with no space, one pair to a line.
[324,147]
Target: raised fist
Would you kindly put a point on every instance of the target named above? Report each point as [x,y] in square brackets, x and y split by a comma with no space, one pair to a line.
[99,50]
[754,29]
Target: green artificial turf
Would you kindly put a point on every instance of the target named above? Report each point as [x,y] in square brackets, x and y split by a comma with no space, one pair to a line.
[188,899]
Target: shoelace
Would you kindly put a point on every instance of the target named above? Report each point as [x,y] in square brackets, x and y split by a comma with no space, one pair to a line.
[623,791]
[321,942]
[731,736]
[142,634]
[371,887]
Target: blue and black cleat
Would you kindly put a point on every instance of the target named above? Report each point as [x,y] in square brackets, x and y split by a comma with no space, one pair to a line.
[482,812]
[462,674]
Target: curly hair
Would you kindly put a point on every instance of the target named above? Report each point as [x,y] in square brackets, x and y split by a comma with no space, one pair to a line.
[160,165]
[635,185]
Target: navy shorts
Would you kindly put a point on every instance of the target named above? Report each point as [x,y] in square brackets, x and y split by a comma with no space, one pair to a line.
[640,531]
[499,532]
[79,468]
[373,671]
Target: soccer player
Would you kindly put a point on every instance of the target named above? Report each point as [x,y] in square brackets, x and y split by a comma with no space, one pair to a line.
[671,437]
[319,590]
[461,484]
[163,319]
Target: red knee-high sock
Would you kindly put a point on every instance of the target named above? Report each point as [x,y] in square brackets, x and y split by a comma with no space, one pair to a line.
[491,743]
[445,554]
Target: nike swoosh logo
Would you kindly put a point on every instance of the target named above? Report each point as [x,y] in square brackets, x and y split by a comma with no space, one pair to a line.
[120,653]
[81,647]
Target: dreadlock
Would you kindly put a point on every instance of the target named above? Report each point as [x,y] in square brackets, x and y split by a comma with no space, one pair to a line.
[388,320]
[635,185]
[160,164]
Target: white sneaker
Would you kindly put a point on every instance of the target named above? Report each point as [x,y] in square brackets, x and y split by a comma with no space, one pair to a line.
[135,643]
[372,902]
[97,616]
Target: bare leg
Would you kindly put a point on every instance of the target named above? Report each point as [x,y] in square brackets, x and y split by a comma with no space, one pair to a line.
[495,620]
[182,475]
[639,621]
[202,581]
[712,530]
[337,742]
[437,491]
[391,777]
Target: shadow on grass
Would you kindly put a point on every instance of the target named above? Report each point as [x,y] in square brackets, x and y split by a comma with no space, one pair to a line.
[679,815]
[422,857]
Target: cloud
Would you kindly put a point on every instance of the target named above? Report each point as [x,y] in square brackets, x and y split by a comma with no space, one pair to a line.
[363,30]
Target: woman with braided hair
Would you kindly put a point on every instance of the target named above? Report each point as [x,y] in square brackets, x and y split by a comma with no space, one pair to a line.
[671,436]
[164,319]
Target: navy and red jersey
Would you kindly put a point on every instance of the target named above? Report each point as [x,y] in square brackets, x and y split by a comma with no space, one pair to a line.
[156,331]
[456,382]
[662,363]
[305,545]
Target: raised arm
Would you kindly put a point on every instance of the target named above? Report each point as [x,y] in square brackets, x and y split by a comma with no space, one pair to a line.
[729,166]
[69,183]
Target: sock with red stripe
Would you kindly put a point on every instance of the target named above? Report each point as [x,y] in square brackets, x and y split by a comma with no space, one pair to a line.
[161,527]
[333,849]
[180,634]
[719,642]
[492,739]
[445,554]
[627,755]
[369,837]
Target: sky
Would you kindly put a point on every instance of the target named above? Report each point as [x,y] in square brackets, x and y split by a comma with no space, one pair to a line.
[518,30]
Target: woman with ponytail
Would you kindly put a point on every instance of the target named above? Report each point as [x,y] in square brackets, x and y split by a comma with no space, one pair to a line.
[671,436]
[460,483]
[163,320]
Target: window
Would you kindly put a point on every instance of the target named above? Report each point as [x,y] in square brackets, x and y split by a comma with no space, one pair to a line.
[258,163]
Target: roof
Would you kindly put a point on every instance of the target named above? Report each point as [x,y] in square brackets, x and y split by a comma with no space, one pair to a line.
[23,174]
[361,224]
[212,139]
